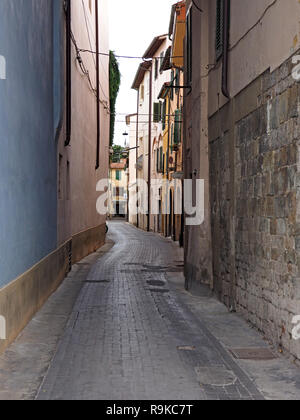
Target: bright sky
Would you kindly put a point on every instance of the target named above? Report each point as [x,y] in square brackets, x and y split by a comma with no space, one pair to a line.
[133,25]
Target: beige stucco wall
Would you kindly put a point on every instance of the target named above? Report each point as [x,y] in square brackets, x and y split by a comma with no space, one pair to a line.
[77,210]
[80,229]
[132,170]
[157,128]
[254,48]
[115,183]
[198,254]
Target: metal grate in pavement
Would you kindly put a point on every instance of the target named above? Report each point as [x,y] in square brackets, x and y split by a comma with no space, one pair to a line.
[97,281]
[156,283]
[253,354]
[155,290]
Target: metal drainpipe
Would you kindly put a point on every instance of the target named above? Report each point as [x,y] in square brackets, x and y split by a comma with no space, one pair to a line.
[225,90]
[167,161]
[68,11]
[97,84]
[137,155]
[149,150]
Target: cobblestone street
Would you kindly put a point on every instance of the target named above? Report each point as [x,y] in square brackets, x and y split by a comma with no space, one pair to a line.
[128,337]
[121,327]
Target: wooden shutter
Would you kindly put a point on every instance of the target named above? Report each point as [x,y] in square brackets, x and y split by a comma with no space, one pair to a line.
[177,80]
[156,68]
[164,114]
[177,127]
[156,109]
[172,83]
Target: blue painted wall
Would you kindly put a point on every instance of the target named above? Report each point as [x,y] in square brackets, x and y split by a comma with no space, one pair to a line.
[29,113]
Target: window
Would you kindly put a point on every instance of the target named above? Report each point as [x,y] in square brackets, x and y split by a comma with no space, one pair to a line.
[118,175]
[160,160]
[189,47]
[162,56]
[177,80]
[219,29]
[142,92]
[164,114]
[161,157]
[119,192]
[157,112]
[173,82]
[177,127]
[156,68]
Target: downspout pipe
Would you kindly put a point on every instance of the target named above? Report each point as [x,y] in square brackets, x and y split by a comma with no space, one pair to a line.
[58,69]
[137,155]
[97,85]
[226,35]
[150,148]
[68,12]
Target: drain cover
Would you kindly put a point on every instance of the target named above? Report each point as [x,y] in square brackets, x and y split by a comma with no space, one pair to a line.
[132,264]
[215,376]
[253,354]
[154,290]
[154,267]
[156,283]
[130,271]
[97,281]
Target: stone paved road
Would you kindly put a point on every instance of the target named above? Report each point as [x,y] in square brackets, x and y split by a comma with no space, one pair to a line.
[129,337]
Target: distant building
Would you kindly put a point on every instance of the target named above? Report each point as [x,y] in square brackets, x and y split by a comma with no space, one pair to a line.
[149,128]
[118,189]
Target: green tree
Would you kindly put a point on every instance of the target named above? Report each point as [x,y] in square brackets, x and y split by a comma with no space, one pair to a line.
[114,83]
[117,153]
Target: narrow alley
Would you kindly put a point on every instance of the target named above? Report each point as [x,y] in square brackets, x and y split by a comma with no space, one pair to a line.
[149,202]
[132,335]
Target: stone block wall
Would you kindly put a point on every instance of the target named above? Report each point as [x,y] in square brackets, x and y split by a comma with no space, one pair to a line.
[221,202]
[257,252]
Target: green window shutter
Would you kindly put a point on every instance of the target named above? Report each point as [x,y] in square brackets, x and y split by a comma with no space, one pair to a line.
[177,127]
[162,56]
[118,175]
[177,80]
[172,83]
[156,108]
[164,115]
[219,29]
[156,68]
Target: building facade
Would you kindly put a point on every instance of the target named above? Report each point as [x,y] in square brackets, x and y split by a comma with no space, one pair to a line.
[118,189]
[148,81]
[243,140]
[52,153]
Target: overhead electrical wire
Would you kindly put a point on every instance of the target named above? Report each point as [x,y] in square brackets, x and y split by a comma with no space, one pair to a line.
[125,56]
[90,42]
[86,72]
